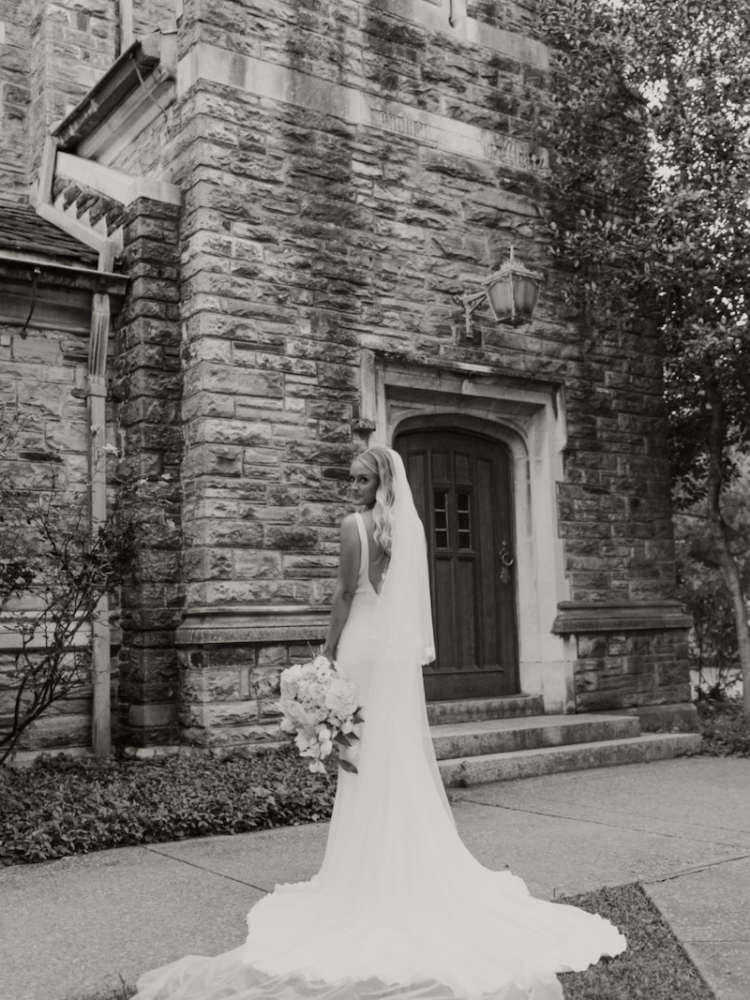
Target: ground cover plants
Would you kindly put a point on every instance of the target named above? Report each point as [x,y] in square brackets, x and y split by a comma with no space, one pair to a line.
[655,965]
[61,806]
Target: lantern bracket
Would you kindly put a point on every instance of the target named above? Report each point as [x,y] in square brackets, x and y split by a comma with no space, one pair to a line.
[514,278]
[471,302]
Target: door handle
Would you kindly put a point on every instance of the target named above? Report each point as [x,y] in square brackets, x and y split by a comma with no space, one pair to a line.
[507,561]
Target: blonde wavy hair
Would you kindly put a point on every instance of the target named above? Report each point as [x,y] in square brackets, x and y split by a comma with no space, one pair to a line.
[379,461]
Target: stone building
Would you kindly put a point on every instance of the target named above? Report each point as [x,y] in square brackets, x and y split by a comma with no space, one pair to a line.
[244,222]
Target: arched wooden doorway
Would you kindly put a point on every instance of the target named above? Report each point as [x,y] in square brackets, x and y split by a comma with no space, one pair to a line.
[462,489]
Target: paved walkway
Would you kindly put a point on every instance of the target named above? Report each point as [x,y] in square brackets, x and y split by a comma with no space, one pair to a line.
[79,926]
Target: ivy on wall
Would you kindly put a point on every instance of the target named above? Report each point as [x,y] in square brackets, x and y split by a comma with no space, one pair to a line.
[652,169]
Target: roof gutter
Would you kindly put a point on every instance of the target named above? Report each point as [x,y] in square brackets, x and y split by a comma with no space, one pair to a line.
[61,275]
[125,75]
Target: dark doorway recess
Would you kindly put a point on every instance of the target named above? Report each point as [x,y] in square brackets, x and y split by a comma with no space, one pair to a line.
[462,489]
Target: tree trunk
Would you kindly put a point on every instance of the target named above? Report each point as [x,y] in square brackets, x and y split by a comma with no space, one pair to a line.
[720,536]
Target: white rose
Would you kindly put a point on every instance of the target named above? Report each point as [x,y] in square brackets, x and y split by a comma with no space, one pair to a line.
[317,768]
[287,726]
[341,697]
[324,734]
[325,748]
[347,726]
[321,661]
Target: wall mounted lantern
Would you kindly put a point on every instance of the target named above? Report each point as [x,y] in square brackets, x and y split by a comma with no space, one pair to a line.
[511,292]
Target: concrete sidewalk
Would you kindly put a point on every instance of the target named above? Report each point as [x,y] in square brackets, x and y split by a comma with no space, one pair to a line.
[682,827]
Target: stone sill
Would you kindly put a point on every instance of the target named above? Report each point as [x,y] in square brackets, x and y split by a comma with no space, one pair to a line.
[246,624]
[619,616]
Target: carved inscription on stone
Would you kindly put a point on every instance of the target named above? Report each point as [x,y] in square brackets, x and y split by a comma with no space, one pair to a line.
[466,140]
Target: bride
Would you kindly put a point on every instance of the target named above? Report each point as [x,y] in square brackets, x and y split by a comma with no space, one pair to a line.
[400,907]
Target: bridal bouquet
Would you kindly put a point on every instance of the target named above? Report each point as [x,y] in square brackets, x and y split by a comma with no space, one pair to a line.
[321,707]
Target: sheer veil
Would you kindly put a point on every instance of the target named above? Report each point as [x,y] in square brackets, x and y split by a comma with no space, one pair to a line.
[404,643]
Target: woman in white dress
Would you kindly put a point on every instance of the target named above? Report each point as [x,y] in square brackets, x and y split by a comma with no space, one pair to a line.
[400,907]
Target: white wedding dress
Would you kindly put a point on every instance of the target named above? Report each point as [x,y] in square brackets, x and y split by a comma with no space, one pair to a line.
[400,908]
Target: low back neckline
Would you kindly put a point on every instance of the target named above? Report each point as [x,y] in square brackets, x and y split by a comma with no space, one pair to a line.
[364,559]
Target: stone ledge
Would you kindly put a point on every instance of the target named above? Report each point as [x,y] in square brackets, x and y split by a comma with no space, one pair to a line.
[622,616]
[243,624]
[682,715]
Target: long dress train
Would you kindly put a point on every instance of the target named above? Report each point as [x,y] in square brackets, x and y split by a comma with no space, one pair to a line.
[400,908]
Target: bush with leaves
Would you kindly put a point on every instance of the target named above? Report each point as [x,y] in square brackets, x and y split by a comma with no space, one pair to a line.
[54,572]
[61,806]
[724,728]
[701,588]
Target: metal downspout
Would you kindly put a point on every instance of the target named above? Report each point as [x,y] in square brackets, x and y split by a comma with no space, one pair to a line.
[97,404]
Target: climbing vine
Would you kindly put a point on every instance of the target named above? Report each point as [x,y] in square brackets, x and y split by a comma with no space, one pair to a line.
[652,170]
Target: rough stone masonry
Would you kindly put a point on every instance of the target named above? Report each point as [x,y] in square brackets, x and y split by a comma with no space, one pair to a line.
[346,168]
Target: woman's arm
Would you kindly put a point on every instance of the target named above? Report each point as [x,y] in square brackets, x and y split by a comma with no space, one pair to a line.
[345,585]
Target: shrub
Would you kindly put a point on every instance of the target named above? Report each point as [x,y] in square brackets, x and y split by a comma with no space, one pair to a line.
[61,806]
[725,731]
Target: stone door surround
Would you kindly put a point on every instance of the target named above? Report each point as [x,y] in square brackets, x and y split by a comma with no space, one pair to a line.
[528,416]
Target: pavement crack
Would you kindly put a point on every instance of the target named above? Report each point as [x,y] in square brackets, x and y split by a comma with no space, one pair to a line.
[202,868]
[595,822]
[694,869]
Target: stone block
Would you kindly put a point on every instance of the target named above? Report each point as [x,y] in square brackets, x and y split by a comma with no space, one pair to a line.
[591,646]
[229,379]
[152,715]
[290,538]
[53,732]
[204,685]
[213,460]
[230,432]
[257,564]
[221,592]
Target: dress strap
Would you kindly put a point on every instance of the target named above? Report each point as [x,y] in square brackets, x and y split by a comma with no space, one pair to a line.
[364,558]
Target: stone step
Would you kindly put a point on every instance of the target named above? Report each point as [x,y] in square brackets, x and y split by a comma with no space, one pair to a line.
[474,709]
[462,772]
[493,736]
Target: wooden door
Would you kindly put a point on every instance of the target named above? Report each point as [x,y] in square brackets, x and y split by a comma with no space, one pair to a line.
[461,487]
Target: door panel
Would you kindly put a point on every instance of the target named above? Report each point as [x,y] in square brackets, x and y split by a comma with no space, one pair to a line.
[461,485]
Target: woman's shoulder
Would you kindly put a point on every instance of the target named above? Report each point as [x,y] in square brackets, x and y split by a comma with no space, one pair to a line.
[349,527]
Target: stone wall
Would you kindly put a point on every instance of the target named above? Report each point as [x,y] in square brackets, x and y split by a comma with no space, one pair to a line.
[631,669]
[73,42]
[44,384]
[148,14]
[146,390]
[345,173]
[317,225]
[15,95]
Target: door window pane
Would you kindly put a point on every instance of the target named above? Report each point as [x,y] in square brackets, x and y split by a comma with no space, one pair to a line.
[441,519]
[463,504]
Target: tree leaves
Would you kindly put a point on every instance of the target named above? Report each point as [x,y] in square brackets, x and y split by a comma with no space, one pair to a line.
[654,129]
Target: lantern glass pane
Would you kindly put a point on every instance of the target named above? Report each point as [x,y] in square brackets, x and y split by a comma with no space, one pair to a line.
[526,293]
[500,297]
